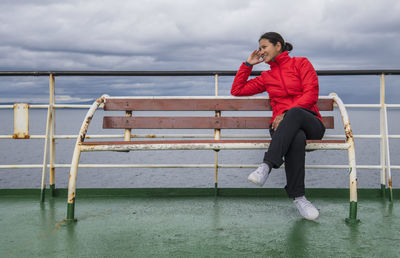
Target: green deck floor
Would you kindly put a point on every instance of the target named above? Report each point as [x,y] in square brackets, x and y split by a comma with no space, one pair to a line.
[129,225]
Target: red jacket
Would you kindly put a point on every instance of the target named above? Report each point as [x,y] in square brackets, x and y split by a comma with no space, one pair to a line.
[291,82]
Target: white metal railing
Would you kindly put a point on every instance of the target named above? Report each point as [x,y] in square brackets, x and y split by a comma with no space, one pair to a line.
[50,136]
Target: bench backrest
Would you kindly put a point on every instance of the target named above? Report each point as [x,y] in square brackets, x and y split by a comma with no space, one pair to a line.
[195,104]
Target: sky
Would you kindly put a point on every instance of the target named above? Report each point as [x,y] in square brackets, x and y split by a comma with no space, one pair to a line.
[189,35]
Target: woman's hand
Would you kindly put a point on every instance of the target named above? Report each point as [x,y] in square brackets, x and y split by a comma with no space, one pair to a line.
[255,58]
[278,119]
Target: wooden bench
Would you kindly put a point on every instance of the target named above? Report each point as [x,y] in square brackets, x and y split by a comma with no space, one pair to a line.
[216,121]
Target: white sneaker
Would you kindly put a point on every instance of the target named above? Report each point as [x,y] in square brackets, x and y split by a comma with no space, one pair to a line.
[260,175]
[306,209]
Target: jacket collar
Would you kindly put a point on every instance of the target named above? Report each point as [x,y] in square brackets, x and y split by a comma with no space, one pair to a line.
[280,59]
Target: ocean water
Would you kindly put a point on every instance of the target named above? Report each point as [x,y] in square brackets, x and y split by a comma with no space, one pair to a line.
[363,121]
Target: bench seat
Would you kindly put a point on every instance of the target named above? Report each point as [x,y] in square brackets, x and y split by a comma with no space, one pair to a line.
[201,145]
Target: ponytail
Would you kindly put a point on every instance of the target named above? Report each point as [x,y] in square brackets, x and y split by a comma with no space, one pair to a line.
[274,38]
[287,47]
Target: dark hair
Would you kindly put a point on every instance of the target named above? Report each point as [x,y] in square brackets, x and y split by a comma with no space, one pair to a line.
[274,38]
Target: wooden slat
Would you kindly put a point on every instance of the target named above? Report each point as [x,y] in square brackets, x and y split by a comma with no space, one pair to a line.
[188,104]
[199,104]
[329,122]
[325,104]
[186,122]
[196,141]
[121,122]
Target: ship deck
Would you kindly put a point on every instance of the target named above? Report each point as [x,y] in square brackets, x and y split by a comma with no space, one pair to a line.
[194,223]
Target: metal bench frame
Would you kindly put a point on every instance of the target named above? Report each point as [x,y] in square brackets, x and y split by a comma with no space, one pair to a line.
[215,144]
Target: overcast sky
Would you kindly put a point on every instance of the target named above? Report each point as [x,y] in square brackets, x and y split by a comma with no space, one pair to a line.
[185,35]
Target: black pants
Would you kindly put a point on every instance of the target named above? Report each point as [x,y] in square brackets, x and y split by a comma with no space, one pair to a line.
[289,142]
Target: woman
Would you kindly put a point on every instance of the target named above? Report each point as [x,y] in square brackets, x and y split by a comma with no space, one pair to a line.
[292,85]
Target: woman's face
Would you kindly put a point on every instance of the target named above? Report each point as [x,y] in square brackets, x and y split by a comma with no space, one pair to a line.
[268,51]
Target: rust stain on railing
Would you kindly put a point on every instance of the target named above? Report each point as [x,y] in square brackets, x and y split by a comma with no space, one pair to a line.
[89,117]
[348,131]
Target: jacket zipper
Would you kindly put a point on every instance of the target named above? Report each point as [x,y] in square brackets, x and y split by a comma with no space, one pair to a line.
[283,81]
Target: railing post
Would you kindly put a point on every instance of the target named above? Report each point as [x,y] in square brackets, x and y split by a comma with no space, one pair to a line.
[382,134]
[49,136]
[52,133]
[385,153]
[216,84]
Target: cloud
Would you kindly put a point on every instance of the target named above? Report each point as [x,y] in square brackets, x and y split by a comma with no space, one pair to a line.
[106,34]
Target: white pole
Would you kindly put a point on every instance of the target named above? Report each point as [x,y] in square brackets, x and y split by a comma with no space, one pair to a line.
[383,133]
[52,133]
[44,169]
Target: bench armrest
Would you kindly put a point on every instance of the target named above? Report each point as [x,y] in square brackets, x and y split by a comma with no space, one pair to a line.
[88,118]
[352,156]
[345,117]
